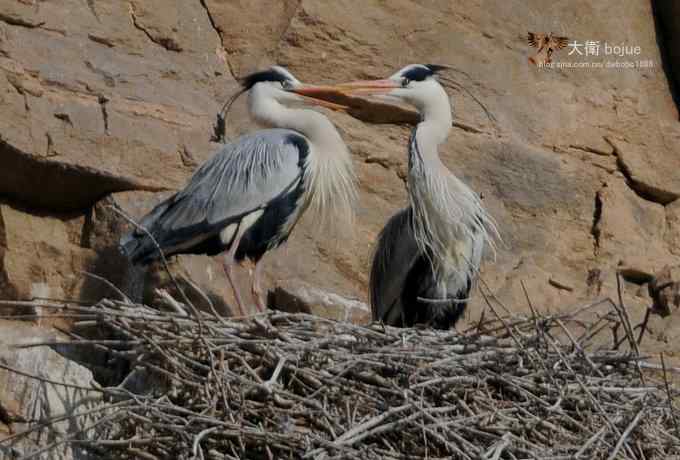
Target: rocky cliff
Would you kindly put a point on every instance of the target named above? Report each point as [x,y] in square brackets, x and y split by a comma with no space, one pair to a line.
[110,102]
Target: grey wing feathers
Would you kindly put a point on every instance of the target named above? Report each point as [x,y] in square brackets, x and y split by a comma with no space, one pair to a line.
[395,254]
[243,176]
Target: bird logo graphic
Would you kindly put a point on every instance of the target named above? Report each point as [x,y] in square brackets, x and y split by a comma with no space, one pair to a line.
[546,44]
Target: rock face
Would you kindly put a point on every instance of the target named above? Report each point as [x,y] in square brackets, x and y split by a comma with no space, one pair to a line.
[664,289]
[299,297]
[42,254]
[115,102]
[24,399]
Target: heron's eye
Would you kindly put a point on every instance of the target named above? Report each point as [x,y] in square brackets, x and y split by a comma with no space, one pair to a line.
[285,84]
[404,82]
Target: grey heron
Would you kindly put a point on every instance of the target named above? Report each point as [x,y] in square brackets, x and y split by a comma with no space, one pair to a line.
[428,255]
[247,198]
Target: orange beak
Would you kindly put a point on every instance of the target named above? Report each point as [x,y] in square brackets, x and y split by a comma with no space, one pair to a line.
[319,95]
[368,87]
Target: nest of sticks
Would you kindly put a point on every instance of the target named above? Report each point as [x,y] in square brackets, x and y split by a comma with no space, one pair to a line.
[290,386]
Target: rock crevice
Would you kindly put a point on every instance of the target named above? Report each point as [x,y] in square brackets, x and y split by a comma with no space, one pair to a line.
[105,114]
[168,43]
[645,190]
[595,230]
[19,22]
[219,36]
[57,185]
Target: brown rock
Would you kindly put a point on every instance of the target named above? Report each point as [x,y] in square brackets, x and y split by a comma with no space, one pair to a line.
[631,230]
[673,231]
[664,289]
[107,111]
[26,399]
[251,30]
[300,297]
[650,178]
[41,256]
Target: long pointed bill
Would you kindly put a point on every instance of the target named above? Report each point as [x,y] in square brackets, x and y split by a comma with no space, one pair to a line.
[322,95]
[355,98]
[368,87]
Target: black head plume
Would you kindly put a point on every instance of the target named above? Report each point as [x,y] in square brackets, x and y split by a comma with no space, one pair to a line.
[419,72]
[273,74]
[437,67]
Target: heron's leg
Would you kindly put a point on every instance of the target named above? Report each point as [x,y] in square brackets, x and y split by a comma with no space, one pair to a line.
[229,259]
[257,288]
[228,267]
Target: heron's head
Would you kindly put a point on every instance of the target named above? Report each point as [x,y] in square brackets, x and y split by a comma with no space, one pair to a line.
[415,84]
[279,84]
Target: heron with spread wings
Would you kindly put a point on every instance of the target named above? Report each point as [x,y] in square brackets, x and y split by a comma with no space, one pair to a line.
[246,199]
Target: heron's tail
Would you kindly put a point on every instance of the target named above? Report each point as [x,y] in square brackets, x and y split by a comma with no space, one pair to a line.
[137,245]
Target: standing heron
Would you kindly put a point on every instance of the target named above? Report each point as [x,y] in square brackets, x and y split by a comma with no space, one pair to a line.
[428,255]
[247,198]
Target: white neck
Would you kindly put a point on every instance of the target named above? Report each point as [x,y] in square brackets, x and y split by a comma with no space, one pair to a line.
[313,125]
[332,183]
[436,119]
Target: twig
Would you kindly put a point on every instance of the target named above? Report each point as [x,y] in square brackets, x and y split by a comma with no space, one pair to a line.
[590,442]
[46,380]
[70,438]
[625,434]
[277,372]
[643,325]
[670,397]
[197,440]
[624,316]
[112,286]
